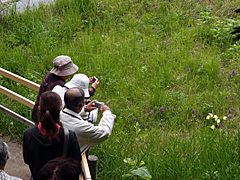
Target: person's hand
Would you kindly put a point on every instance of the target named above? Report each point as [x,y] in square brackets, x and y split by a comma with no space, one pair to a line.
[104,107]
[87,101]
[90,80]
[91,106]
[95,84]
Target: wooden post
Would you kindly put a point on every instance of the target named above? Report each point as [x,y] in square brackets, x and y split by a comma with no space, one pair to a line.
[92,163]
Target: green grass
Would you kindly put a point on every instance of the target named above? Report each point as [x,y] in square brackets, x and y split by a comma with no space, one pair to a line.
[140,51]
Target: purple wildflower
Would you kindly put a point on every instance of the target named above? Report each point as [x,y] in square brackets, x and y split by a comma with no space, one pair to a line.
[219,125]
[134,119]
[229,111]
[161,108]
[152,112]
[230,75]
[24,52]
[193,111]
[147,113]
[230,116]
[175,106]
[226,97]
[218,89]
[187,120]
[188,68]
[232,97]
[230,102]
[233,72]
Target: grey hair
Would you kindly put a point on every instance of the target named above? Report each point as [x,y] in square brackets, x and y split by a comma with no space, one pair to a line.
[3,153]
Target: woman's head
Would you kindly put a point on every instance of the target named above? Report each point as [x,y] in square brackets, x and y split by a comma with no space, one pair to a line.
[50,105]
[60,168]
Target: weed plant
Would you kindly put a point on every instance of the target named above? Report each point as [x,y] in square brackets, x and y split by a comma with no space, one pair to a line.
[162,66]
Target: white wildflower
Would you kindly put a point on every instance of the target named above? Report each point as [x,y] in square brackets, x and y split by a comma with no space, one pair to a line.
[224,118]
[210,115]
[212,127]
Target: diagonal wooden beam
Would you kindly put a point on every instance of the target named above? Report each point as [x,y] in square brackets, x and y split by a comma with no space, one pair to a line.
[16,116]
[16,97]
[19,79]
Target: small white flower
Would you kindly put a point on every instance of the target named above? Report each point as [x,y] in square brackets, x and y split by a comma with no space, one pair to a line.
[215,117]
[208,117]
[102,35]
[224,118]
[11,123]
[218,121]
[212,127]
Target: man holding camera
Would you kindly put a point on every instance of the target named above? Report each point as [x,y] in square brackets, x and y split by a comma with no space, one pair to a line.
[88,135]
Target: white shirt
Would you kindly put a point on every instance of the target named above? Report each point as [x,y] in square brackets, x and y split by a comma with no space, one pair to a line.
[60,90]
[5,176]
[88,135]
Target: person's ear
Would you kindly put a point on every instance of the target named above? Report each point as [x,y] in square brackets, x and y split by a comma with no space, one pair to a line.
[60,108]
[39,108]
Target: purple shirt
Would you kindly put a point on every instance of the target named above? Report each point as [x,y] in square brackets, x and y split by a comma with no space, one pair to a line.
[47,84]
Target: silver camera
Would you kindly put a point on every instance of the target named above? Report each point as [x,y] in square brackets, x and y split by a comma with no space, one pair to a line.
[98,105]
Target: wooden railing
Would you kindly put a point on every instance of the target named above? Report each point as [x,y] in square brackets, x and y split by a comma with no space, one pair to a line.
[29,103]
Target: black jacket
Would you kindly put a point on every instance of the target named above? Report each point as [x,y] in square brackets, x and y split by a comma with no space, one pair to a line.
[38,150]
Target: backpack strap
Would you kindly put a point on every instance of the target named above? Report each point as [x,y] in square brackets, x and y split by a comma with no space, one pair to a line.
[46,83]
[66,138]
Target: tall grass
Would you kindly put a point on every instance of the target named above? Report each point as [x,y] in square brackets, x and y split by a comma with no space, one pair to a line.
[147,54]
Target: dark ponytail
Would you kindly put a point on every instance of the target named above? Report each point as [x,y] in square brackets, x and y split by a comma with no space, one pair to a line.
[50,103]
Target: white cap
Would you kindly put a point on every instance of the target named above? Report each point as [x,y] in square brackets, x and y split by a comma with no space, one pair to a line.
[80,81]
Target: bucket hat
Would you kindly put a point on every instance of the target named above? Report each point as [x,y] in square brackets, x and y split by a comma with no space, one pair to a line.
[63,66]
[80,81]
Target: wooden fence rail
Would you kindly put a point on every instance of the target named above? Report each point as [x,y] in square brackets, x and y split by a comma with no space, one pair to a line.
[29,103]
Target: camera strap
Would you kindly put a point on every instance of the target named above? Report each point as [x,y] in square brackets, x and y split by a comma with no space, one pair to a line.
[71,115]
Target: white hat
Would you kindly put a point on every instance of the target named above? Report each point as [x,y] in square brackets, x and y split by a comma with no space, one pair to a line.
[80,81]
[63,66]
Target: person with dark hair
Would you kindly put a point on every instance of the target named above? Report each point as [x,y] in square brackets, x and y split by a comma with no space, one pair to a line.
[60,168]
[88,135]
[46,140]
[63,68]
[4,156]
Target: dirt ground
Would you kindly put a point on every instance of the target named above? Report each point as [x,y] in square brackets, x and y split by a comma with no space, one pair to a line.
[15,165]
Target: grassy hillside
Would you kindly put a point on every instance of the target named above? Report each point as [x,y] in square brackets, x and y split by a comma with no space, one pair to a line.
[162,66]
